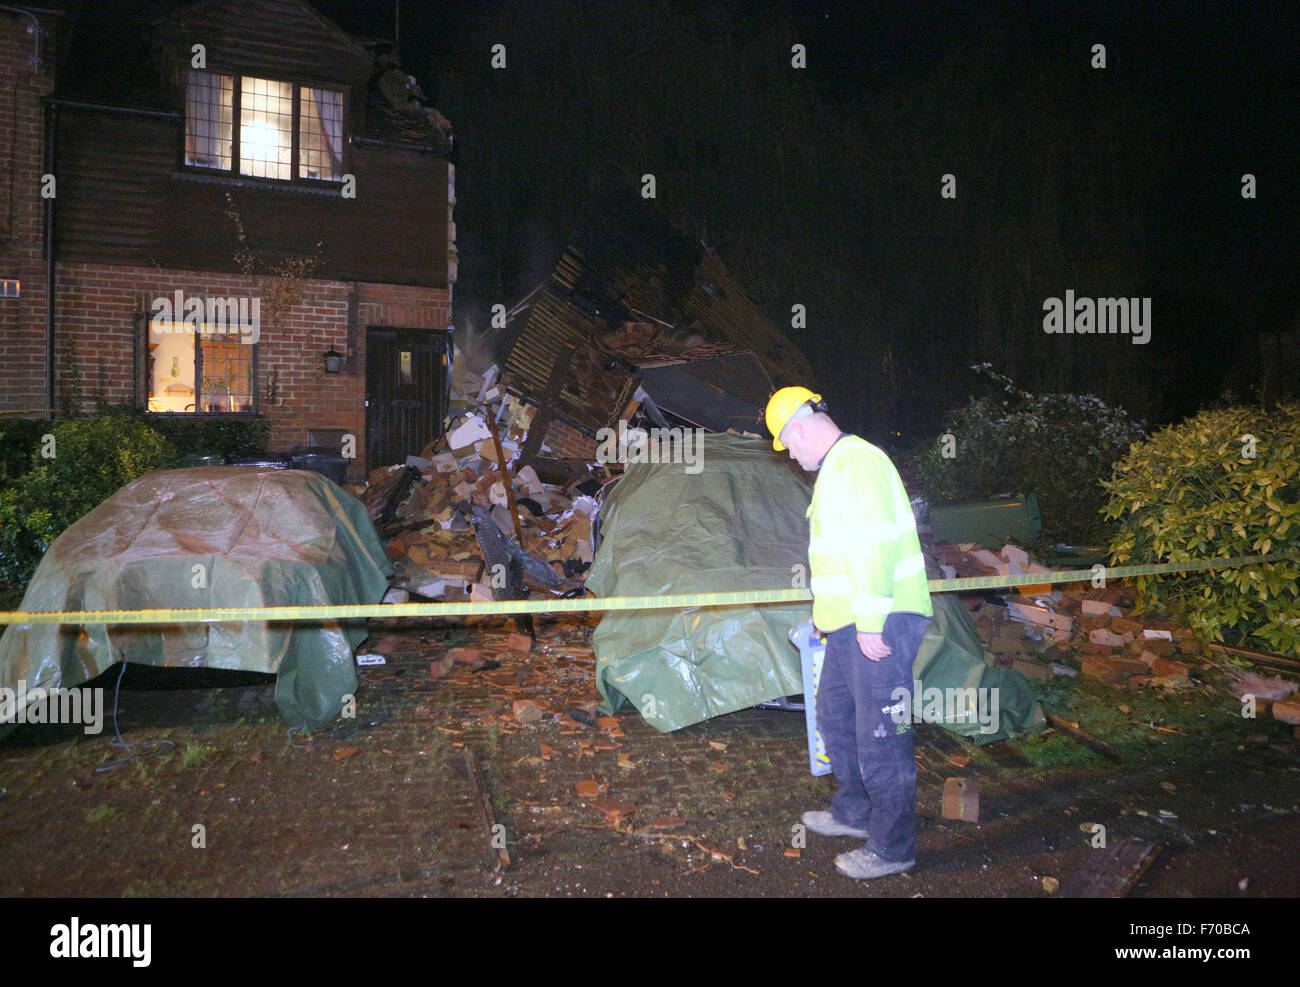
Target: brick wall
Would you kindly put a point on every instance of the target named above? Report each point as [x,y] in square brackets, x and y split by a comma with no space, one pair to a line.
[97,306]
[22,320]
[566,442]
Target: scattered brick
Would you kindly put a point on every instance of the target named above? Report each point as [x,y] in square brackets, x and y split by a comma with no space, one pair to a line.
[1167,666]
[1103,668]
[1287,710]
[527,711]
[961,799]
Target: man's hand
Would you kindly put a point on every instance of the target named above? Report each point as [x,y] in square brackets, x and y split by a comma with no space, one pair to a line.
[874,646]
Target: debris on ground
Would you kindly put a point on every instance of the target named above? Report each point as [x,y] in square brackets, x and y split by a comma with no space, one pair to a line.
[1041,631]
[431,510]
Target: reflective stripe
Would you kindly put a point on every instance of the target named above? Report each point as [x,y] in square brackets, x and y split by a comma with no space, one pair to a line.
[833,585]
[872,604]
[909,567]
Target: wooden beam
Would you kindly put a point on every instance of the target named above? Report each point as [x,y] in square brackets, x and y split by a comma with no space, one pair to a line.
[1114,871]
[499,853]
[1259,657]
[542,420]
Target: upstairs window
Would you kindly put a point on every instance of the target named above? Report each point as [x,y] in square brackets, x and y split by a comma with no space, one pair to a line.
[286,131]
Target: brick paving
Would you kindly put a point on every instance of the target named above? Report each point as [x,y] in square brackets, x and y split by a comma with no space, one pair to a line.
[384,805]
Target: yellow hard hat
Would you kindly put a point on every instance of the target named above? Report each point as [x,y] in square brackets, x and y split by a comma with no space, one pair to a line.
[781,406]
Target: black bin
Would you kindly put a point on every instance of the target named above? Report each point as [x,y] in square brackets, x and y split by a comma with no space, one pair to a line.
[325,461]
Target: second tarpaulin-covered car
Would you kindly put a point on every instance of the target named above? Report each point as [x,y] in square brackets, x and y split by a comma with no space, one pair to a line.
[735,520]
[208,538]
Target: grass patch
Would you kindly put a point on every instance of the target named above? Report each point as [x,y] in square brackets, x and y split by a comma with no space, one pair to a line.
[196,754]
[1055,750]
[100,814]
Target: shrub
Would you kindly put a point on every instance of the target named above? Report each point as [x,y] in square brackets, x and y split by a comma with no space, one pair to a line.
[1057,446]
[93,458]
[202,433]
[228,436]
[1199,490]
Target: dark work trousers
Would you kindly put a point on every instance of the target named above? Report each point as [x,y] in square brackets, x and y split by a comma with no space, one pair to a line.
[869,737]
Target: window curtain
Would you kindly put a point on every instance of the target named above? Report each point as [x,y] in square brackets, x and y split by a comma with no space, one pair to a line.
[329,112]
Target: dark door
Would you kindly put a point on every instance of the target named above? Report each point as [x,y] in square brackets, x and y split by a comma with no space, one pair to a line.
[406,392]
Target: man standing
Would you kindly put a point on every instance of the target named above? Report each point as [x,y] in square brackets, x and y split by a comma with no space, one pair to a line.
[871,600]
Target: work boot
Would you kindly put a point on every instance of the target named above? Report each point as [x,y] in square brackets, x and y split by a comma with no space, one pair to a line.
[826,824]
[863,865]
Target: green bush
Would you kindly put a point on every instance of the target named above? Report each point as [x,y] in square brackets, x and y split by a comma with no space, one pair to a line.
[1195,491]
[228,436]
[1057,446]
[92,459]
[202,433]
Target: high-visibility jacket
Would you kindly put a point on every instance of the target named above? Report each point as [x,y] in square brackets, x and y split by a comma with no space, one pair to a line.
[863,552]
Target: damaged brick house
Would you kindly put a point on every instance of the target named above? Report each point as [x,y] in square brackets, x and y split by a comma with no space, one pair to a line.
[227,209]
[638,318]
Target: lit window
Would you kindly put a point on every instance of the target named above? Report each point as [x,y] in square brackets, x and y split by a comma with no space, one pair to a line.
[265,143]
[209,102]
[320,116]
[199,372]
[265,128]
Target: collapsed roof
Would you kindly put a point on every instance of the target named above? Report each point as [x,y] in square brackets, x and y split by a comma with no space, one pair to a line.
[630,293]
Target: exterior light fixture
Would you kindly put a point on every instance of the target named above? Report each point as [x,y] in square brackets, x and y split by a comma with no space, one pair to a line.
[333,361]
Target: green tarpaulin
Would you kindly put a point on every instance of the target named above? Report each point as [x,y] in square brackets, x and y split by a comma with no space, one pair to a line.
[210,537]
[733,519]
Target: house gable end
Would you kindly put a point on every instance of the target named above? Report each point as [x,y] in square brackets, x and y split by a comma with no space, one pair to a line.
[280,39]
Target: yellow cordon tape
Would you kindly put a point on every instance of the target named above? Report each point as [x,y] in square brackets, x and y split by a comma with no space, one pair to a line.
[553,605]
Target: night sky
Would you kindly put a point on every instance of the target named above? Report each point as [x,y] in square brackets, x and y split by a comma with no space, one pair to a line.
[821,186]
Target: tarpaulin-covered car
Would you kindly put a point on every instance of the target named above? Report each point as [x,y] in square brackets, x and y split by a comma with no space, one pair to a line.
[208,538]
[734,520]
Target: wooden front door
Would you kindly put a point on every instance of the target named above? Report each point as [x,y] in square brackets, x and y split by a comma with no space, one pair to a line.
[406,392]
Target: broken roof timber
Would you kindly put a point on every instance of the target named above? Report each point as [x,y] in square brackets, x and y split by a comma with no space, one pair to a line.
[634,292]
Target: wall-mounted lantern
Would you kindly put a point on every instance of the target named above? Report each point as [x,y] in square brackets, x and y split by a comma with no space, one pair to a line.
[333,361]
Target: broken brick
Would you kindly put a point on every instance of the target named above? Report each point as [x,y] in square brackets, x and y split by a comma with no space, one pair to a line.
[519,642]
[439,667]
[1130,666]
[1105,637]
[527,711]
[1101,667]
[1098,608]
[1167,666]
[587,788]
[466,656]
[1032,669]
[961,799]
[1287,710]
[615,809]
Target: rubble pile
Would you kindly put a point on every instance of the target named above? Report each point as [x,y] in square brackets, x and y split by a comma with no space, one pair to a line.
[1042,631]
[423,507]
